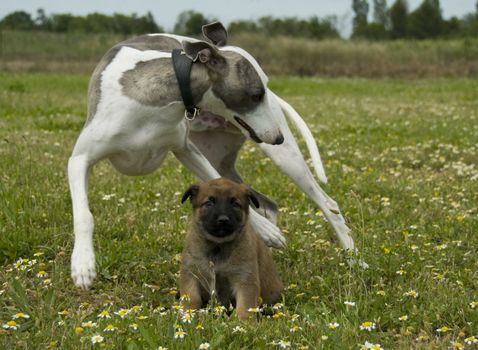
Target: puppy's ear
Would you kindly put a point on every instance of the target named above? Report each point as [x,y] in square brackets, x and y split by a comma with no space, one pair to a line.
[253,199]
[215,33]
[190,193]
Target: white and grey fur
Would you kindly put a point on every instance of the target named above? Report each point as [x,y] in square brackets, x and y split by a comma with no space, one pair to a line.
[136,115]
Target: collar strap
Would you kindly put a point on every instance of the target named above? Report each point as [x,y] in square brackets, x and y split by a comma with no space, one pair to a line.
[182,67]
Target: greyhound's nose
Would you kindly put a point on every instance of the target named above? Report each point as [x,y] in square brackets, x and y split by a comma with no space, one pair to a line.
[279,139]
[223,219]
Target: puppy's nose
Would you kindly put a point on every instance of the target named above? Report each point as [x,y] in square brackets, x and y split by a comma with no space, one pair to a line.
[222,219]
[279,139]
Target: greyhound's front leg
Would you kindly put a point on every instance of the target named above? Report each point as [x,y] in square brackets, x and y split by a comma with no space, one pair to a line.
[200,166]
[83,257]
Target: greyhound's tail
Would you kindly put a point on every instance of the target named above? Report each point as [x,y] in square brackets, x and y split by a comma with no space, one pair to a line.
[304,130]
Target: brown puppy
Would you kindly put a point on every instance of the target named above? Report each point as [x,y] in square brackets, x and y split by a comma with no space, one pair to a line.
[222,255]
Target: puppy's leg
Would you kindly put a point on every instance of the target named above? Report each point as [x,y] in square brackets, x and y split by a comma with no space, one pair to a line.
[247,296]
[193,159]
[221,149]
[190,288]
[290,161]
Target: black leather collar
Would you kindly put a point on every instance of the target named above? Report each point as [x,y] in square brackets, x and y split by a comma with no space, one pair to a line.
[182,67]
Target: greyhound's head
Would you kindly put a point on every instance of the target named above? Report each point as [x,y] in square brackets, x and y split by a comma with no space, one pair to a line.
[238,85]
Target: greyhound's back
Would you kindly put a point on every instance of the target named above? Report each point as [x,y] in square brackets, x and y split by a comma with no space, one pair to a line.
[155,42]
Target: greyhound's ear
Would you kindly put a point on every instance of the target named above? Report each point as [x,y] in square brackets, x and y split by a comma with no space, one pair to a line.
[253,199]
[204,52]
[216,33]
[190,193]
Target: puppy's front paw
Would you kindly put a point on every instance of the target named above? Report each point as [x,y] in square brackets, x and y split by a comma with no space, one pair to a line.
[83,270]
[270,233]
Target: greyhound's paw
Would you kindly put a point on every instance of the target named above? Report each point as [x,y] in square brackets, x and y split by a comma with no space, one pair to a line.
[270,233]
[83,270]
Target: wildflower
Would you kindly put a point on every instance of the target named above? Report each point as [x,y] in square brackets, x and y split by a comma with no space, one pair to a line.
[104,314]
[474,304]
[184,297]
[403,318]
[136,308]
[277,306]
[110,328]
[457,345]
[64,313]
[37,254]
[254,309]
[295,329]
[79,330]
[204,345]
[381,292]
[283,344]
[219,310]
[368,326]
[401,272]
[187,317]
[41,274]
[142,317]
[349,303]
[471,340]
[238,329]
[133,326]
[123,312]
[200,327]
[20,315]
[278,315]
[162,348]
[96,339]
[10,325]
[443,329]
[411,293]
[324,337]
[179,334]
[333,325]
[371,346]
[88,324]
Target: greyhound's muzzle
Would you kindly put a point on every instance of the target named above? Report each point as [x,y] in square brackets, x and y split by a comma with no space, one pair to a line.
[253,135]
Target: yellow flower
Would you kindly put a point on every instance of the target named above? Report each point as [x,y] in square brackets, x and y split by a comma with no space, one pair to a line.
[64,313]
[41,274]
[474,304]
[180,334]
[10,325]
[104,314]
[20,315]
[79,330]
[333,325]
[443,329]
[403,318]
[411,293]
[279,315]
[123,312]
[367,326]
[96,339]
[88,324]
[204,346]
[110,328]
[457,345]
[381,292]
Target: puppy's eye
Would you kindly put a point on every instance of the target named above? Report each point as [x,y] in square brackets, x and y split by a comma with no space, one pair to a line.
[235,203]
[209,203]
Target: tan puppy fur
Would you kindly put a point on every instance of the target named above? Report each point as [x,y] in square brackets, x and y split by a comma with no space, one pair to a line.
[222,255]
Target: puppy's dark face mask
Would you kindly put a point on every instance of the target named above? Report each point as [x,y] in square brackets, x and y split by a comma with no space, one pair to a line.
[221,208]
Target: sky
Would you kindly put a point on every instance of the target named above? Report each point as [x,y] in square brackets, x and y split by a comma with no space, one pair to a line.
[165,11]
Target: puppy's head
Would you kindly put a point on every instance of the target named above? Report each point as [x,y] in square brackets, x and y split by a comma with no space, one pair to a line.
[221,208]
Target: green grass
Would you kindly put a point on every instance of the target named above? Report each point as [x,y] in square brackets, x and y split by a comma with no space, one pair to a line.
[401,157]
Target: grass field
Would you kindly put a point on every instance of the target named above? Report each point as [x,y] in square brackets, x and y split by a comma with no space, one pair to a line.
[401,157]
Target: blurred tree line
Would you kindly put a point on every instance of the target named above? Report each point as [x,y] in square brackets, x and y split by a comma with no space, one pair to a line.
[394,22]
[397,22]
[91,23]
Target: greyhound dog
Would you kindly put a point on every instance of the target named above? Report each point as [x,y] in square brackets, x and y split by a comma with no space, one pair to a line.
[136,115]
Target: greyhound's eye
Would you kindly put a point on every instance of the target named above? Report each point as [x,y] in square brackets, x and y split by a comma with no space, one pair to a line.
[257,97]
